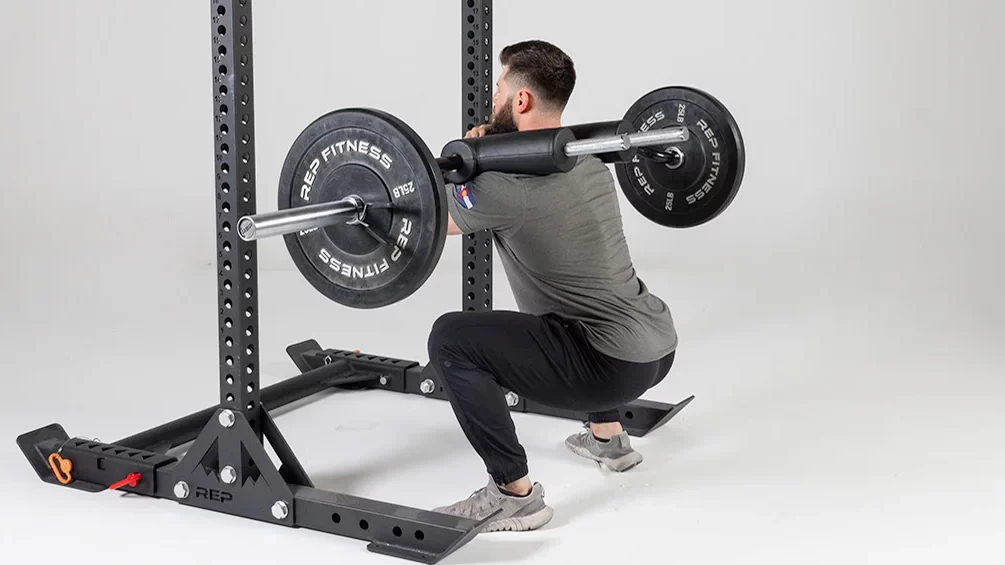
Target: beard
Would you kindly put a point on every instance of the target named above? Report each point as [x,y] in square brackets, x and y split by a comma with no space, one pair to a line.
[503,121]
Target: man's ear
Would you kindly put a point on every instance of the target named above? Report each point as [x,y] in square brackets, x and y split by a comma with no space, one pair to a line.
[524,101]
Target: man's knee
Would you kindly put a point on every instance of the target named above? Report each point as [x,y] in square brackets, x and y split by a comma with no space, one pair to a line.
[444,332]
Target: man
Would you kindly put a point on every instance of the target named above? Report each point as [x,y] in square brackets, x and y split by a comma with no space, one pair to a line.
[588,337]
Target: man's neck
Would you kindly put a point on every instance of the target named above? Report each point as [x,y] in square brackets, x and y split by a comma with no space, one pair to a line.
[541,122]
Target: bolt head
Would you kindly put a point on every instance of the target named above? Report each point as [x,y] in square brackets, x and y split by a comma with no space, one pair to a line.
[280,510]
[228,475]
[512,399]
[227,418]
[383,381]
[181,489]
[427,386]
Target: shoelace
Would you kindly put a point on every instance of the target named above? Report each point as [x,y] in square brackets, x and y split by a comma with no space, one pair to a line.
[471,504]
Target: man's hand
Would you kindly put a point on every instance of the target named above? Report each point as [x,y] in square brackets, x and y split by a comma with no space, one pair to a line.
[477,131]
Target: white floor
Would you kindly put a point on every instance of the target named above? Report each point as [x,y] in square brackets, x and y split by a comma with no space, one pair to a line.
[847,423]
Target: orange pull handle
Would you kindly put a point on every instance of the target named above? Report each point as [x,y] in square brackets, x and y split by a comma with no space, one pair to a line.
[61,468]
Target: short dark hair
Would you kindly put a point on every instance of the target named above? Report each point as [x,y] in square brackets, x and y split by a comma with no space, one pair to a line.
[543,68]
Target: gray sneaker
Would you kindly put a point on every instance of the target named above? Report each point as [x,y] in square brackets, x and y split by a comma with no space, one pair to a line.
[519,513]
[616,454]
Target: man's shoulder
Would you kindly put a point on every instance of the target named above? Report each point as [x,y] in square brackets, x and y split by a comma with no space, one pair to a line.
[496,178]
[588,169]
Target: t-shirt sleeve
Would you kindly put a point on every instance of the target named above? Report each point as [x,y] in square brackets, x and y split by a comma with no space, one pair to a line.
[490,201]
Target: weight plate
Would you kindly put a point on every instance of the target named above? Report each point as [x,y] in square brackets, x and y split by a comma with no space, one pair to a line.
[389,254]
[686,193]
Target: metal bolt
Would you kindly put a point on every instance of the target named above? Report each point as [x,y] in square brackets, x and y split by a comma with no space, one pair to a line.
[280,510]
[512,398]
[181,489]
[383,381]
[227,418]
[228,475]
[427,386]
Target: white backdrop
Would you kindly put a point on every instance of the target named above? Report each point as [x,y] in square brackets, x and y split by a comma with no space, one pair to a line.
[853,288]
[872,128]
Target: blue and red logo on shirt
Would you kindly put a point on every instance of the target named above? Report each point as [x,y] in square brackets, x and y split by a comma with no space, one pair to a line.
[464,196]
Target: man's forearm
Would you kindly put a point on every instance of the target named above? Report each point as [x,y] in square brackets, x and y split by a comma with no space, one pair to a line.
[452,228]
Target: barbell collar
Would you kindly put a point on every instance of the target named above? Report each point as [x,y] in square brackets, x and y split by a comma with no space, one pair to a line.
[624,142]
[292,220]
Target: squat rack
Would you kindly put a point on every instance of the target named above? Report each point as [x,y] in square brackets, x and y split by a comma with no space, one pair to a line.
[227,468]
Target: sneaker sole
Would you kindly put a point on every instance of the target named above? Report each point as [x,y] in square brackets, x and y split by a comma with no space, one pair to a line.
[521,523]
[618,465]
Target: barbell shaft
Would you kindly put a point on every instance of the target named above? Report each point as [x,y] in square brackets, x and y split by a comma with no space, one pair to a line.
[609,144]
[282,222]
[450,163]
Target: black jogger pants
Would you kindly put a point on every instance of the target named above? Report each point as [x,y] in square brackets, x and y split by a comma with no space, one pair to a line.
[546,359]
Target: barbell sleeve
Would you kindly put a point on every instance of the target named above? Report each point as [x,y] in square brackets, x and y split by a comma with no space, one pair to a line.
[282,222]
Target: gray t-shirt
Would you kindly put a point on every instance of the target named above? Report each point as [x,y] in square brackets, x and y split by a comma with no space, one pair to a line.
[562,244]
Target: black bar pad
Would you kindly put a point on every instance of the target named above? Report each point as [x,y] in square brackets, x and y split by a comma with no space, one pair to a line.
[535,152]
[606,129]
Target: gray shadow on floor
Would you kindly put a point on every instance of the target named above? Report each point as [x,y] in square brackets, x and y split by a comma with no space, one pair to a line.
[485,548]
